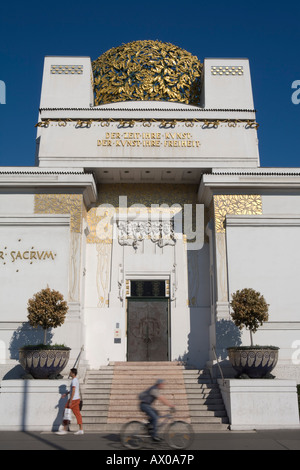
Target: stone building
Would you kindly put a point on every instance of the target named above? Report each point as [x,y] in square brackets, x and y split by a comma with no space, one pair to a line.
[147,209]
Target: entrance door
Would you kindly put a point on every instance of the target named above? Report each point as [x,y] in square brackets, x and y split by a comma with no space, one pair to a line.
[147,330]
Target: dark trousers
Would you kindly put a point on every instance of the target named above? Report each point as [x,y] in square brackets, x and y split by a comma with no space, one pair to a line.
[153,417]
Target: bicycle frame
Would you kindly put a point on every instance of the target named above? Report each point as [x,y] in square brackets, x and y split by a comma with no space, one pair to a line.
[162,421]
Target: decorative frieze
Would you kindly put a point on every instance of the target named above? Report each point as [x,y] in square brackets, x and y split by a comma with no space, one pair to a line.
[67,69]
[132,232]
[227,70]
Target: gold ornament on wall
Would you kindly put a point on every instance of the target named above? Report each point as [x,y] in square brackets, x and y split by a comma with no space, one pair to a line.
[235,204]
[61,204]
[147,70]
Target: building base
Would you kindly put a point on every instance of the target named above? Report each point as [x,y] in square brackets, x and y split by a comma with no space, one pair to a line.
[260,403]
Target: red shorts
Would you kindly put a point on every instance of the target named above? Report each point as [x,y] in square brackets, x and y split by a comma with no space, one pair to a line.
[75,408]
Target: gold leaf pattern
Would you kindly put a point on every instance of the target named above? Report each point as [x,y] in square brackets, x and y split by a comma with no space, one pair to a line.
[147,70]
[61,204]
[235,204]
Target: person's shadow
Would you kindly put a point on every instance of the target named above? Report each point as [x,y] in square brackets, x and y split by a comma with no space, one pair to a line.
[60,408]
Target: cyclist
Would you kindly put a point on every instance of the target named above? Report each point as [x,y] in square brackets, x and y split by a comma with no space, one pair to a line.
[146,399]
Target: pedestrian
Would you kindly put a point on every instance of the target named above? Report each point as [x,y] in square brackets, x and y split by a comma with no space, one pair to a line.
[73,403]
[146,399]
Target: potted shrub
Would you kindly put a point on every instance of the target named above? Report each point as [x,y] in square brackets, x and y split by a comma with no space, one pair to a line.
[47,309]
[250,310]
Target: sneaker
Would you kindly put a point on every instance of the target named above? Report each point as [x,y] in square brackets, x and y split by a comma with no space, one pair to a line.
[79,432]
[156,439]
[61,433]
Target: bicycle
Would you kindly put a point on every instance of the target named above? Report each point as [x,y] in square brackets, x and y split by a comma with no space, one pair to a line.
[177,433]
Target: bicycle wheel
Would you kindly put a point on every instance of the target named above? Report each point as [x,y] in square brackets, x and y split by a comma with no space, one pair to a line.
[179,435]
[132,434]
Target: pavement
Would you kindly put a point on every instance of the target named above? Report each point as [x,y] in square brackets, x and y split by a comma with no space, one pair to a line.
[284,439]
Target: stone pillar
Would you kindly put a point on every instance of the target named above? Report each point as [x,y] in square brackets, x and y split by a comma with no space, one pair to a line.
[220,314]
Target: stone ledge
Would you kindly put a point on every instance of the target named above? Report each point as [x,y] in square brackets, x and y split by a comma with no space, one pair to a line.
[32,405]
[260,403]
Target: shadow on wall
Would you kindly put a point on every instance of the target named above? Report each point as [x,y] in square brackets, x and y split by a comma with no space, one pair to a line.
[24,335]
[60,408]
[25,418]
[227,335]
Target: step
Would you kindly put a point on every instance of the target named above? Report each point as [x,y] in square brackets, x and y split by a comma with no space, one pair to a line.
[93,420]
[194,398]
[196,382]
[95,407]
[97,378]
[139,387]
[92,413]
[210,427]
[203,390]
[141,415]
[204,396]
[209,419]
[89,386]
[206,407]
[114,428]
[125,402]
[146,378]
[130,365]
[124,398]
[205,401]
[134,406]
[201,413]
[202,386]
[124,420]
[96,393]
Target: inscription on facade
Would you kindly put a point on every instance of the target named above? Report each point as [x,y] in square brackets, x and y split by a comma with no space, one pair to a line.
[148,139]
[31,255]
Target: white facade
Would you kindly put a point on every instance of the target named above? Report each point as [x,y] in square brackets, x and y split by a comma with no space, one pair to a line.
[65,222]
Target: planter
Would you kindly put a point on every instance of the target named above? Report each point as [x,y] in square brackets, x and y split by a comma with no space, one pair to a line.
[44,363]
[255,362]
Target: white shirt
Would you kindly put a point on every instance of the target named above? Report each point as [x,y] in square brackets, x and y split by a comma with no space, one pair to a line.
[75,383]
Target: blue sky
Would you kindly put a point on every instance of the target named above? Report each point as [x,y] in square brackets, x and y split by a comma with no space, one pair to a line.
[268,33]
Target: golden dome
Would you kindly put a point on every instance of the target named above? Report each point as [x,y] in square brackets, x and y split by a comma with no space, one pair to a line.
[147,70]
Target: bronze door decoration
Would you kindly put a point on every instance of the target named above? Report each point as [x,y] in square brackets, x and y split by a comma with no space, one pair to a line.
[147,329]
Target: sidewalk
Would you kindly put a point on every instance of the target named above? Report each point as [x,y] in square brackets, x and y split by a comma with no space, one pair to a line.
[228,440]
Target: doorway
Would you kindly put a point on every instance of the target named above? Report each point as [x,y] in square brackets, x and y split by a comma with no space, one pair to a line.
[148,322]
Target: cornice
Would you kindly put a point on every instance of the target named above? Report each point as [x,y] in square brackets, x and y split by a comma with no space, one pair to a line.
[259,181]
[50,180]
[264,172]
[195,110]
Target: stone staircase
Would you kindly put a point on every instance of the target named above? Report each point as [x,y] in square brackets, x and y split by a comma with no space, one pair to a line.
[110,395]
[206,406]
